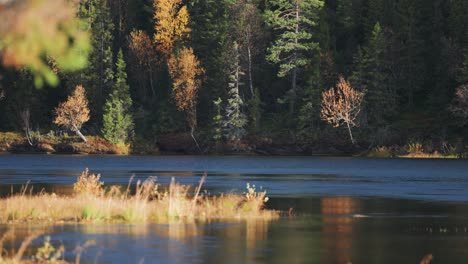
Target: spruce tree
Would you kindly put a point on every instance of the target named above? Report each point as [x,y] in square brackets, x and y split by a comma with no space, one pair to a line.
[118,118]
[218,122]
[372,74]
[99,76]
[235,118]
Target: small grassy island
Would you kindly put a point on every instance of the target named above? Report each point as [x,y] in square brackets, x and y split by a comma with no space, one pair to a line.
[148,202]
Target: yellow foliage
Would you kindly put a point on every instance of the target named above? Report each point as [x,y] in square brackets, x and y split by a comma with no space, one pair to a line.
[74,112]
[142,47]
[186,74]
[31,29]
[171,24]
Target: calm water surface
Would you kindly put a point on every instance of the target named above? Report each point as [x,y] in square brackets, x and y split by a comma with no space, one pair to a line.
[345,209]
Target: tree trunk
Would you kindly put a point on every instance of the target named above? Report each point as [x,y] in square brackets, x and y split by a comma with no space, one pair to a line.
[192,130]
[78,132]
[250,71]
[293,94]
[350,134]
[192,120]
[151,82]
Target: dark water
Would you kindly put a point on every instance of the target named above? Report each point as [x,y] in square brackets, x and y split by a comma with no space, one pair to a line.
[345,209]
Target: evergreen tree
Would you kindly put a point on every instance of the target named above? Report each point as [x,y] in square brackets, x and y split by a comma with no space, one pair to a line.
[210,23]
[118,119]
[458,21]
[235,118]
[218,122]
[372,75]
[412,29]
[99,76]
[292,20]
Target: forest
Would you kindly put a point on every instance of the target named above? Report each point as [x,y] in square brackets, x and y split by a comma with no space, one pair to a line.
[379,77]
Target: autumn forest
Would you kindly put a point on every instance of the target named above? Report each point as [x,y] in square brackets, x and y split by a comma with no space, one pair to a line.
[366,77]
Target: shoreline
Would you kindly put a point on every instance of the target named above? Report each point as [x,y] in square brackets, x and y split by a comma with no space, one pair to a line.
[15,143]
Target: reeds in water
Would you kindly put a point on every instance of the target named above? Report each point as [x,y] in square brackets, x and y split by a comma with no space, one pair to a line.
[149,202]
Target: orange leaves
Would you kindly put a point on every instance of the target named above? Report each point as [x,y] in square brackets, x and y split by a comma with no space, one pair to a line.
[74,112]
[341,105]
[186,74]
[142,46]
[171,24]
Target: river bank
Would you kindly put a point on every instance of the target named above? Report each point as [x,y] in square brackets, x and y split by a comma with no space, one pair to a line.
[183,144]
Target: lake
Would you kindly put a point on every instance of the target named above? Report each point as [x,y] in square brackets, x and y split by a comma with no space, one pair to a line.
[343,209]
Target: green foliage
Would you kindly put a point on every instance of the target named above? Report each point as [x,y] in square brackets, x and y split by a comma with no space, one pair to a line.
[293,21]
[99,76]
[48,253]
[373,75]
[255,111]
[236,120]
[218,121]
[43,37]
[410,57]
[118,120]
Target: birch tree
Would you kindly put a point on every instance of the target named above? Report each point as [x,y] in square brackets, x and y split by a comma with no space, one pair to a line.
[186,74]
[74,112]
[341,106]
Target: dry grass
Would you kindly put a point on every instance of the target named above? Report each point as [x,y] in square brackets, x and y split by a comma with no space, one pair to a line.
[416,150]
[380,152]
[7,139]
[149,203]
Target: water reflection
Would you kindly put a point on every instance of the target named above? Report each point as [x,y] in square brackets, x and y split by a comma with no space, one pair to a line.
[337,231]
[392,231]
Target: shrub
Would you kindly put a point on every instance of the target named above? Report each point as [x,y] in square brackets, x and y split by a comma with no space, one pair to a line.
[88,184]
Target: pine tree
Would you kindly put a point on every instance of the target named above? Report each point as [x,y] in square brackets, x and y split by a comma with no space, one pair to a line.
[235,118]
[118,119]
[292,20]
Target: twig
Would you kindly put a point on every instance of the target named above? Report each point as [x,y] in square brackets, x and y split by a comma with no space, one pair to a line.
[202,180]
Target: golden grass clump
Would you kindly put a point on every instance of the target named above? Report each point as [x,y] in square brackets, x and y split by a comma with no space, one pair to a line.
[88,184]
[149,202]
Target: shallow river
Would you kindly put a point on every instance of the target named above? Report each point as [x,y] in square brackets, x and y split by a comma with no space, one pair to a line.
[343,209]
